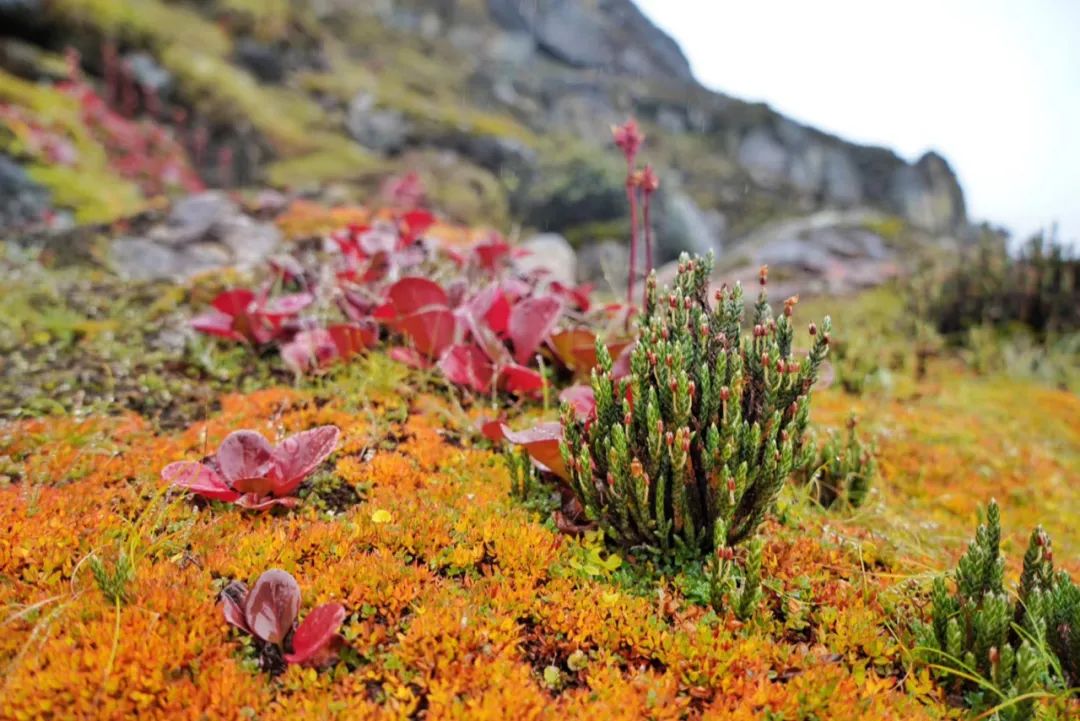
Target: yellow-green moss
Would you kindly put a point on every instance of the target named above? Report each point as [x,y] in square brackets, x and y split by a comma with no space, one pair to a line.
[89,187]
[156,25]
[336,159]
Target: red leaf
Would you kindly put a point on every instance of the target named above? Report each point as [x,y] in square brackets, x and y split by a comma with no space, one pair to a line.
[218,324]
[530,322]
[466,365]
[414,224]
[581,399]
[491,252]
[300,454]
[232,610]
[353,338]
[431,331]
[234,302]
[521,381]
[492,307]
[542,443]
[255,502]
[314,642]
[286,306]
[199,479]
[409,357]
[621,367]
[411,295]
[272,606]
[575,349]
[246,461]
[310,349]
[493,430]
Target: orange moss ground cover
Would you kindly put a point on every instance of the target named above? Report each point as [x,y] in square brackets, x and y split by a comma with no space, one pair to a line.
[464,604]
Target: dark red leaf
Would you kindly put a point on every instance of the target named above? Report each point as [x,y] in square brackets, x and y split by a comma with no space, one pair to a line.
[431,331]
[542,443]
[314,641]
[492,307]
[489,253]
[246,461]
[232,599]
[199,479]
[272,606]
[466,365]
[521,381]
[351,339]
[414,224]
[234,302]
[411,295]
[530,322]
[493,430]
[300,454]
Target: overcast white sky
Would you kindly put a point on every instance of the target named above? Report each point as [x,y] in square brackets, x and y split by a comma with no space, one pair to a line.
[993,85]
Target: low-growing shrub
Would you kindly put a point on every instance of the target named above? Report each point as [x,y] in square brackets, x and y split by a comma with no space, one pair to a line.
[843,470]
[1002,650]
[686,454]
[1038,288]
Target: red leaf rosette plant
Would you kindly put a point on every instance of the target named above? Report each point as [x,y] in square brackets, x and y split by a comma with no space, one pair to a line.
[248,471]
[247,317]
[269,611]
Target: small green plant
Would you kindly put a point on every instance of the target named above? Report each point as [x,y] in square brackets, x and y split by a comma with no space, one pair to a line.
[734,585]
[843,470]
[687,453]
[523,477]
[114,581]
[1004,651]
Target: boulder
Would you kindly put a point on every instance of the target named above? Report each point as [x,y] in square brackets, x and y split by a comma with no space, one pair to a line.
[682,226]
[192,217]
[379,129]
[605,264]
[148,73]
[834,252]
[550,252]
[22,201]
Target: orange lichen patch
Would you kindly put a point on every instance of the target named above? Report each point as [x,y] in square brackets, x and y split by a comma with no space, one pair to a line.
[308,219]
[461,602]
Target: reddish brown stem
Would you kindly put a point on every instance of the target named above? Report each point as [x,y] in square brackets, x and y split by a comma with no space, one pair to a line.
[632,196]
[648,237]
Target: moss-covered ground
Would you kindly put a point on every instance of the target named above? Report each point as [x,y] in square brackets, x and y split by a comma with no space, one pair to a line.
[462,601]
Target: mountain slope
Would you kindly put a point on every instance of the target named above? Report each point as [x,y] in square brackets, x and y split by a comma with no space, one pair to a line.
[503,106]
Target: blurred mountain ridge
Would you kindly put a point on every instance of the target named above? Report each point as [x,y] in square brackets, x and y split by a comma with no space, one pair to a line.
[503,107]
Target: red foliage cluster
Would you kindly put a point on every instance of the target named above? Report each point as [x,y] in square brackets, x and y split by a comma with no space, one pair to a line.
[269,612]
[483,330]
[248,471]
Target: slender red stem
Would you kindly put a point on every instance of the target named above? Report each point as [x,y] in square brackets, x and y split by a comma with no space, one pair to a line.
[631,195]
[648,236]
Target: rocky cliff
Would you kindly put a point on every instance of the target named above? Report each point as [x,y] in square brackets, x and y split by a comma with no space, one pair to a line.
[502,106]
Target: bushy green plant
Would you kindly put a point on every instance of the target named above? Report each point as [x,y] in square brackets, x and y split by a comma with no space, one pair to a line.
[688,451]
[1005,650]
[843,469]
[1038,288]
